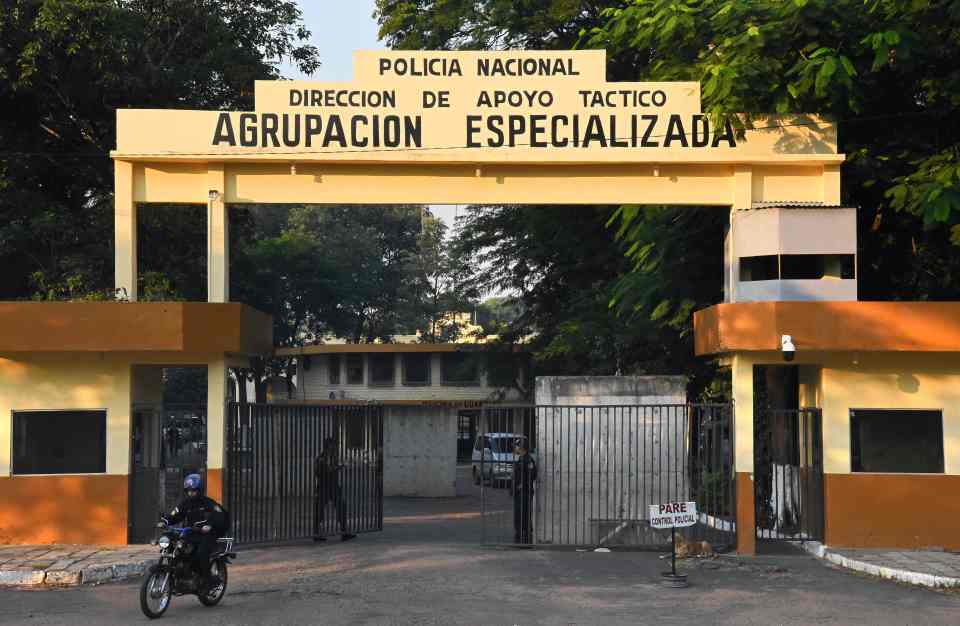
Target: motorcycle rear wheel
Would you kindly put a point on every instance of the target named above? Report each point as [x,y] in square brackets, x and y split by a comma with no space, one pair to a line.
[153,601]
[213,596]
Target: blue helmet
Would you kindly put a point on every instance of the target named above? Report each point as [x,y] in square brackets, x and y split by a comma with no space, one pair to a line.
[193,482]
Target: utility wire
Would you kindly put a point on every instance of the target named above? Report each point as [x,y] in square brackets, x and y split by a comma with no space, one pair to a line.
[292,152]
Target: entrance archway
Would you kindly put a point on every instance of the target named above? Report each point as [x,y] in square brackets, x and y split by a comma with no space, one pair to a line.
[463,128]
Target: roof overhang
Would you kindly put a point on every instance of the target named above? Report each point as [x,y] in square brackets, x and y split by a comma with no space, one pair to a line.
[390,348]
[196,327]
[828,326]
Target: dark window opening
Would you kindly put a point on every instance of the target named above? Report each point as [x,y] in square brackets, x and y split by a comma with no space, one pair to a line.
[354,369]
[59,442]
[333,369]
[896,441]
[416,369]
[759,268]
[460,369]
[816,266]
[381,369]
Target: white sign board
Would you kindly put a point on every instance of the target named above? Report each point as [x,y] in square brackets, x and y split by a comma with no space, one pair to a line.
[673,514]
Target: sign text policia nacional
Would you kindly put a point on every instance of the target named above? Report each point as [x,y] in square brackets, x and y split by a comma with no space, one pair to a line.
[527,100]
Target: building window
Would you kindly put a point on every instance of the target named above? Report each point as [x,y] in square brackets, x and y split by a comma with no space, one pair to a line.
[797,267]
[896,441]
[460,368]
[416,369]
[354,369]
[816,266]
[59,442]
[333,369]
[381,369]
[759,268]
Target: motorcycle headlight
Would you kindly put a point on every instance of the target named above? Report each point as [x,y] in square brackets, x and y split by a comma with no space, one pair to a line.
[164,542]
[180,545]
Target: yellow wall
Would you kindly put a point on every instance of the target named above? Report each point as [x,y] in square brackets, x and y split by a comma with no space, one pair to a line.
[92,381]
[850,381]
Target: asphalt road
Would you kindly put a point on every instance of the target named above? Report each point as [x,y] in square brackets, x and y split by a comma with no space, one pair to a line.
[426,568]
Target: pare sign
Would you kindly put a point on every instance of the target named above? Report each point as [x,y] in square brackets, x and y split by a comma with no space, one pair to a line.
[673,514]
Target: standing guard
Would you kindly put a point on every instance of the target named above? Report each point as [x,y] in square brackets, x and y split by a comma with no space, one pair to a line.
[524,477]
[326,472]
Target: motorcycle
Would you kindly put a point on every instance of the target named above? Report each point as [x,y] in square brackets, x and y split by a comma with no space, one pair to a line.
[173,575]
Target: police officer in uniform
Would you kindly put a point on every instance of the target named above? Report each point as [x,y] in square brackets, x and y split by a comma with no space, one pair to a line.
[326,470]
[524,477]
[195,508]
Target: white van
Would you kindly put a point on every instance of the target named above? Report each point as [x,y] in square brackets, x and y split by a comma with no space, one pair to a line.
[496,451]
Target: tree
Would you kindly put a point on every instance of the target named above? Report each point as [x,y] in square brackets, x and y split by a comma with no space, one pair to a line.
[886,69]
[435,283]
[65,67]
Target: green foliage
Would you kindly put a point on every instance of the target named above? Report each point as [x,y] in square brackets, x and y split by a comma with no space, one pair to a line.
[434,283]
[65,67]
[885,68]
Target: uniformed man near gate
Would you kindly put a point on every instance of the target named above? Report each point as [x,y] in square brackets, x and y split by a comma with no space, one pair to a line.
[524,477]
[326,470]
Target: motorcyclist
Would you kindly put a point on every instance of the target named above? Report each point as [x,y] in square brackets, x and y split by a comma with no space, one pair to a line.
[192,510]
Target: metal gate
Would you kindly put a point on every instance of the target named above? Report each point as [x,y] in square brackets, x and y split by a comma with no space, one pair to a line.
[303,471]
[167,443]
[598,470]
[788,474]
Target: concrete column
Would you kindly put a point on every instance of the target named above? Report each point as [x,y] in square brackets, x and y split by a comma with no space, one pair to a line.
[742,373]
[218,236]
[216,426]
[125,230]
[742,199]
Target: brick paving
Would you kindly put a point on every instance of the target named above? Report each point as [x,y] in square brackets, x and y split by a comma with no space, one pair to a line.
[59,565]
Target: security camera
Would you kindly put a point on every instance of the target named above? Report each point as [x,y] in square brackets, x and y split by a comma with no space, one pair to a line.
[786,345]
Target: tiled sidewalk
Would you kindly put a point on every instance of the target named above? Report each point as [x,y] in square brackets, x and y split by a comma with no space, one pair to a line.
[71,565]
[930,568]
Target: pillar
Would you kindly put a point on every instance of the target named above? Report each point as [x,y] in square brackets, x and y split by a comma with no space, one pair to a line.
[218,236]
[742,374]
[216,426]
[742,199]
[125,230]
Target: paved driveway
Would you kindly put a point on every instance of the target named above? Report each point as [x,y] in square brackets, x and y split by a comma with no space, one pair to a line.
[425,568]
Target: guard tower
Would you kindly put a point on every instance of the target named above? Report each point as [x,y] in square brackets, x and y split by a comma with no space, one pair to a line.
[791,251]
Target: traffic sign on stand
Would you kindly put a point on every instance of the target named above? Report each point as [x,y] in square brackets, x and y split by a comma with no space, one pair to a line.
[673,515]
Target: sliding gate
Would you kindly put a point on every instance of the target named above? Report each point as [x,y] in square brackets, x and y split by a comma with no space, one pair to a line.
[598,470]
[303,471]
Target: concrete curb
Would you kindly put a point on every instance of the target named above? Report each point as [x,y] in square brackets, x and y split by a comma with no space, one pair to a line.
[92,574]
[821,551]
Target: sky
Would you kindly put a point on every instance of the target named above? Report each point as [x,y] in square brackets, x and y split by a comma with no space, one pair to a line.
[338,28]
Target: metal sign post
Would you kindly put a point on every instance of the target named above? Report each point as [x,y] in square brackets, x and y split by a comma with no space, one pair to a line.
[672,515]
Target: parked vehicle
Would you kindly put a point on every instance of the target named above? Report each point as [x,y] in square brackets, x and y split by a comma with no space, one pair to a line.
[174,576]
[493,457]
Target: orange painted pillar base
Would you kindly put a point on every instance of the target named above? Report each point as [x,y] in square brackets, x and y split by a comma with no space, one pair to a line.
[746,521]
[215,484]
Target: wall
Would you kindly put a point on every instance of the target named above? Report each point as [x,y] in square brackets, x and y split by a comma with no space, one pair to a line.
[796,290]
[419,451]
[595,390]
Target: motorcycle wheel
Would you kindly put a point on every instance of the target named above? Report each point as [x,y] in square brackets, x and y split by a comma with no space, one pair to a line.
[212,597]
[153,601]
